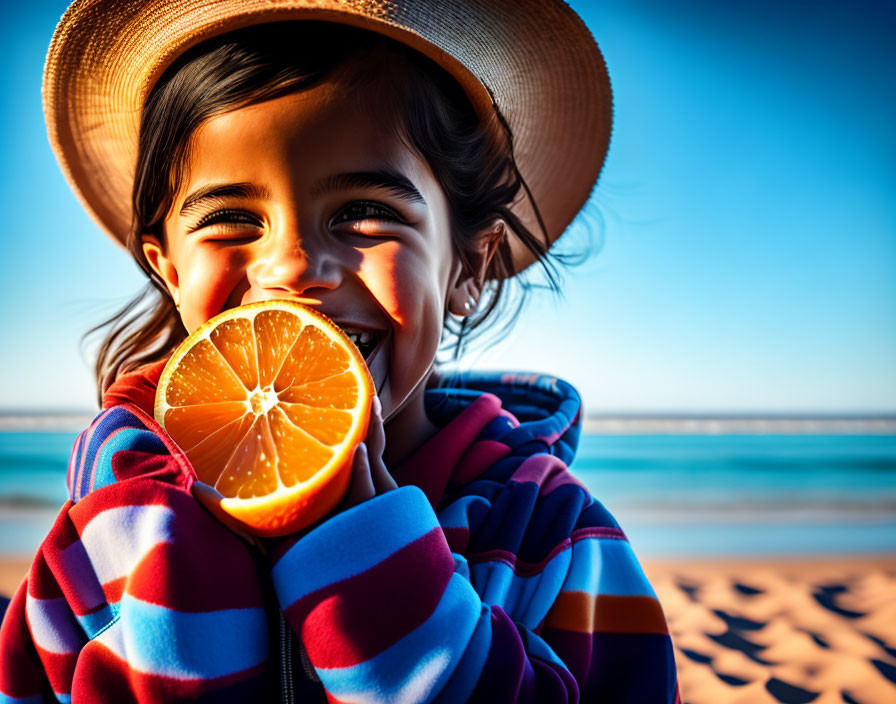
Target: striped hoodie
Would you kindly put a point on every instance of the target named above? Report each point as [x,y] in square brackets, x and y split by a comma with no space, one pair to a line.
[489,575]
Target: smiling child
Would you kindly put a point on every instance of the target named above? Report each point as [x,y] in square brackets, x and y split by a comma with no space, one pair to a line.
[355,157]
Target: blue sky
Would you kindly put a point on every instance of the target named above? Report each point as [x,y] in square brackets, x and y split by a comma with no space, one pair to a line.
[747,259]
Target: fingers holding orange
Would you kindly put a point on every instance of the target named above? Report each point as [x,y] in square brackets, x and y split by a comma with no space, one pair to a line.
[361,487]
[376,445]
[370,477]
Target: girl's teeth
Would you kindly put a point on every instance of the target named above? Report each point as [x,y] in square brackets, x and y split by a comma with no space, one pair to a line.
[361,338]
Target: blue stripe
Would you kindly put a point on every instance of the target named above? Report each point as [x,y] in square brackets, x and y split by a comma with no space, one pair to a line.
[7,699]
[137,439]
[418,666]
[461,566]
[95,622]
[606,566]
[492,581]
[337,549]
[204,645]
[113,419]
[465,676]
[465,512]
[496,428]
[530,598]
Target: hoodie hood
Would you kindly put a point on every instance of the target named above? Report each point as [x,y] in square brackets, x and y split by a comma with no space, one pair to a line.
[483,417]
[486,417]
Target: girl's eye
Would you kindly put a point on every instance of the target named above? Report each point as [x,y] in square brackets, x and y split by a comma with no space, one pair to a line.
[234,220]
[367,211]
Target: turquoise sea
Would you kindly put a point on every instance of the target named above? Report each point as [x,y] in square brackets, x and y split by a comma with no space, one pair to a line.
[674,495]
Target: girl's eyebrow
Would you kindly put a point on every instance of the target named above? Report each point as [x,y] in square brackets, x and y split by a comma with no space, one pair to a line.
[223,190]
[386,179]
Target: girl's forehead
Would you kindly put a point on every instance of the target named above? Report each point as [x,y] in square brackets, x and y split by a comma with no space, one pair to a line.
[324,127]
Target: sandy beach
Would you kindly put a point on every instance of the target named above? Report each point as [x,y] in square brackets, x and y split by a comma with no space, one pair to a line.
[775,630]
[762,631]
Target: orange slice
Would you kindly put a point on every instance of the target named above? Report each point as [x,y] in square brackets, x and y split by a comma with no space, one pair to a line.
[268,402]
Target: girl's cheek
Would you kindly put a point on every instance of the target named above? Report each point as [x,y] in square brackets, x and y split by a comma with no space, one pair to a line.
[208,281]
[383,271]
[418,287]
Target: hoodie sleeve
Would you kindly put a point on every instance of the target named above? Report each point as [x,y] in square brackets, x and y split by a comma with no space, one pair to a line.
[136,593]
[388,611]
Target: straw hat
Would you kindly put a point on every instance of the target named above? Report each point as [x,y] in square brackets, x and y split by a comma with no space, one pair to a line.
[533,59]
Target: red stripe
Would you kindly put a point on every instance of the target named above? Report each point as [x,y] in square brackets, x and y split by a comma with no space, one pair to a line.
[20,675]
[598,532]
[41,582]
[458,539]
[203,573]
[479,456]
[140,492]
[104,677]
[432,465]
[353,620]
[60,668]
[114,589]
[136,464]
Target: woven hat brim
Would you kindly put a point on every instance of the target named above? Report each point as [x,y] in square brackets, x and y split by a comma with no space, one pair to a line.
[539,66]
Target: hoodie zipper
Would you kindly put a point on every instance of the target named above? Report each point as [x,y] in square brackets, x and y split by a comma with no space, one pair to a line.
[289,644]
[287,694]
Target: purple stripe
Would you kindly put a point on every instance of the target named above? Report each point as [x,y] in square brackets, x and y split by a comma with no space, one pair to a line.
[80,578]
[76,487]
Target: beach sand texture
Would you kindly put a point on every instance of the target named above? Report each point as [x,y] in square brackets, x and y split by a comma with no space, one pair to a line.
[769,631]
[763,631]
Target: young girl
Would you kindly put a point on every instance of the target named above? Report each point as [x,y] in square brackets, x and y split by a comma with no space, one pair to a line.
[292,155]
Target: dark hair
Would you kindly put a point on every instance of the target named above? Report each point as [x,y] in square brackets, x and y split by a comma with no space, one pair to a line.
[431,114]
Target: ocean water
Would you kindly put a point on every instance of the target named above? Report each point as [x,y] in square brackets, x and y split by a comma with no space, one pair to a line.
[673,495]
[700,495]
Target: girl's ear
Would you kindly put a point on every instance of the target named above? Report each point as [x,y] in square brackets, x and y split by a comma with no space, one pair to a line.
[464,295]
[155,257]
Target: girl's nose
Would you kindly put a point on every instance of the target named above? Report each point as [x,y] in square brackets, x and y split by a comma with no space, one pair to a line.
[289,263]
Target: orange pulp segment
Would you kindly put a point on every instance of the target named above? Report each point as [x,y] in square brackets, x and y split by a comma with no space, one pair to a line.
[268,402]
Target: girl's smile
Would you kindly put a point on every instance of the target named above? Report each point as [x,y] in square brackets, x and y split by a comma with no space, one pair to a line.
[308,197]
